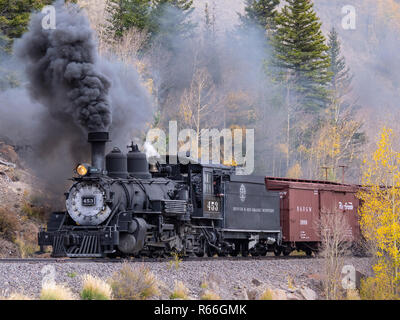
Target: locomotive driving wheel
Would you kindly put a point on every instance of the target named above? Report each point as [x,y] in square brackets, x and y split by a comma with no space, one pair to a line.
[221,254]
[201,249]
[199,254]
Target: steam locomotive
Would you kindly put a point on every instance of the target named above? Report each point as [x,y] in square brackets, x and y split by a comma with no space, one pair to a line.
[117,206]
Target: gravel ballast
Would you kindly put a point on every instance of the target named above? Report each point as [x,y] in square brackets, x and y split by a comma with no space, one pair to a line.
[233,277]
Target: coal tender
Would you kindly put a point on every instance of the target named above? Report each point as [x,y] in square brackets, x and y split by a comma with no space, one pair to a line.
[118,207]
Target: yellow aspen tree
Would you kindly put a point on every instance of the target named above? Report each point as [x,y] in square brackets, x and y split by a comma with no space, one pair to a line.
[380,214]
[295,171]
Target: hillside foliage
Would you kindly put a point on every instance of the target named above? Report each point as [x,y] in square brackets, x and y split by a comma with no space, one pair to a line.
[380,216]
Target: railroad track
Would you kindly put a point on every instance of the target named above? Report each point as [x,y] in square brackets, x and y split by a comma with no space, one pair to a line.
[144,259]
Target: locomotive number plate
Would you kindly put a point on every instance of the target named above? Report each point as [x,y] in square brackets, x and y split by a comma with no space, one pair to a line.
[88,201]
[212,205]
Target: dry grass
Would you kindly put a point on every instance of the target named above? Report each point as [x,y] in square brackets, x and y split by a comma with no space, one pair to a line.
[53,291]
[352,294]
[26,240]
[26,249]
[210,295]
[9,225]
[377,289]
[175,262]
[18,296]
[180,291]
[134,284]
[13,174]
[290,282]
[268,294]
[95,289]
[33,211]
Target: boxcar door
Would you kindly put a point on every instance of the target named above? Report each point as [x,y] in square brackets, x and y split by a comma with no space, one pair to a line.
[333,202]
[304,212]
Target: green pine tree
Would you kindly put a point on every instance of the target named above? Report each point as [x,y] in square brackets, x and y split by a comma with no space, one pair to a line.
[301,54]
[209,23]
[14,18]
[341,109]
[341,78]
[339,127]
[126,14]
[171,18]
[261,13]
[300,64]
[184,5]
[209,48]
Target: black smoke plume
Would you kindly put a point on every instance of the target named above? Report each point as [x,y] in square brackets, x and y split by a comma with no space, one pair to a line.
[66,90]
[61,66]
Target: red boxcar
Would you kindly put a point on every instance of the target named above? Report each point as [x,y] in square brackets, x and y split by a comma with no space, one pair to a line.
[303,202]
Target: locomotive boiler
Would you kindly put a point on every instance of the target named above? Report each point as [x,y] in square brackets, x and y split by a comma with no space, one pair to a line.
[117,207]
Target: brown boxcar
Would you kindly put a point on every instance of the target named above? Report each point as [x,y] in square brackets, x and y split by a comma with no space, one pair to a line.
[303,202]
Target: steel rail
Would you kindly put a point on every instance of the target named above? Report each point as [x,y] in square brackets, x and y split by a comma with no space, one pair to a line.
[145,259]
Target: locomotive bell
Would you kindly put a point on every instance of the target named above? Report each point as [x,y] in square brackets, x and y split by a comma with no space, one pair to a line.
[153,168]
[116,164]
[138,166]
[152,164]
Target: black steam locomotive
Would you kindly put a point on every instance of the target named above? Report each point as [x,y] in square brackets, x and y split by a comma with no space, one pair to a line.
[117,207]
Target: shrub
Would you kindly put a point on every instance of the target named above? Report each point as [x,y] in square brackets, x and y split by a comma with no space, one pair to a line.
[95,289]
[53,291]
[13,175]
[290,282]
[175,262]
[180,291]
[33,211]
[334,244]
[267,295]
[210,295]
[376,289]
[134,284]
[26,249]
[8,224]
[352,294]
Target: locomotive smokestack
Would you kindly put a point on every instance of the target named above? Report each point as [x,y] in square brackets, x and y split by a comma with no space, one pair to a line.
[98,142]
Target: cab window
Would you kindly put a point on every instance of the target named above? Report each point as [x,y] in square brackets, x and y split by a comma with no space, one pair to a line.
[208,183]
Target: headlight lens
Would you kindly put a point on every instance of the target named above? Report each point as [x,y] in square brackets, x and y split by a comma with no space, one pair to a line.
[82,170]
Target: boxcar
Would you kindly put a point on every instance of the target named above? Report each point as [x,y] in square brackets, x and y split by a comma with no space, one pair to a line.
[302,203]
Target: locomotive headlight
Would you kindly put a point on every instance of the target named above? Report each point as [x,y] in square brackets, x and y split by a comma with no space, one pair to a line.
[82,170]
